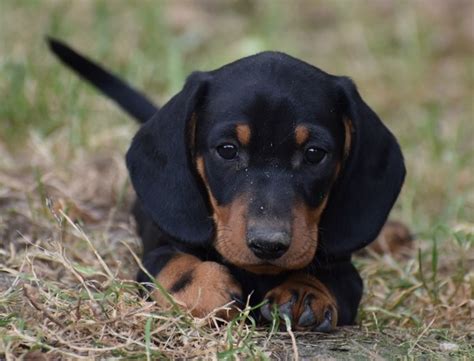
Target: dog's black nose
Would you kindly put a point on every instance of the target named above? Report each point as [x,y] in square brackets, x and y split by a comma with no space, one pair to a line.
[268,245]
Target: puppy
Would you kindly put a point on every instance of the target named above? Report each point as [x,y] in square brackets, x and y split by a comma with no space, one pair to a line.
[258,179]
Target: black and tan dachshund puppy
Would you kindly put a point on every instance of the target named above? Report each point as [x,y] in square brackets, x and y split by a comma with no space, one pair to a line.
[259,178]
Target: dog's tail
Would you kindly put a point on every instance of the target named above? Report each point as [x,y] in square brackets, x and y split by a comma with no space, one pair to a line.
[129,99]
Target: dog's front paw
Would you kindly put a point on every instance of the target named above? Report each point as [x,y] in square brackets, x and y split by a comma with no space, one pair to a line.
[200,287]
[306,301]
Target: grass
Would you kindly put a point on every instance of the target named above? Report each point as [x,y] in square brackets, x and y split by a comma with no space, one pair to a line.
[67,264]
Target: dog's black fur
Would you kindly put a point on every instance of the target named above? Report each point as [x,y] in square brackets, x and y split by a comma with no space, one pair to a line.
[186,175]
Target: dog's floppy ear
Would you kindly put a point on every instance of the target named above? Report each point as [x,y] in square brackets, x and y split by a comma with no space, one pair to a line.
[370,181]
[162,171]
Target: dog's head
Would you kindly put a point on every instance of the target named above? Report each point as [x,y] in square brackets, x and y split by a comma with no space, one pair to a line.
[267,159]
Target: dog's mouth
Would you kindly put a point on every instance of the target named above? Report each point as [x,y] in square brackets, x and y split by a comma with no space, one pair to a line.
[295,258]
[264,268]
[262,244]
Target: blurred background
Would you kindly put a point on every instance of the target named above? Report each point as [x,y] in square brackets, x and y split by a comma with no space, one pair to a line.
[62,144]
[412,61]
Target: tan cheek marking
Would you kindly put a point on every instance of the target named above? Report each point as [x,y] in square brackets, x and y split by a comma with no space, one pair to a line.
[301,134]
[348,130]
[231,240]
[243,134]
[337,170]
[231,226]
[304,236]
[201,170]
[231,232]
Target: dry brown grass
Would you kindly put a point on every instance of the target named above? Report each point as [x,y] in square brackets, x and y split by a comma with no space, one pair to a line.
[66,261]
[74,292]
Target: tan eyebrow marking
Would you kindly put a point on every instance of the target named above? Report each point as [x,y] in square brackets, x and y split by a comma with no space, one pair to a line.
[301,134]
[243,134]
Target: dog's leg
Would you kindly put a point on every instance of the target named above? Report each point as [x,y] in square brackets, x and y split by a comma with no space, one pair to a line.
[344,282]
[317,302]
[199,286]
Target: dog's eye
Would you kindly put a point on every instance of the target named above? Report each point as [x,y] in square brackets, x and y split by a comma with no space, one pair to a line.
[227,151]
[314,155]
